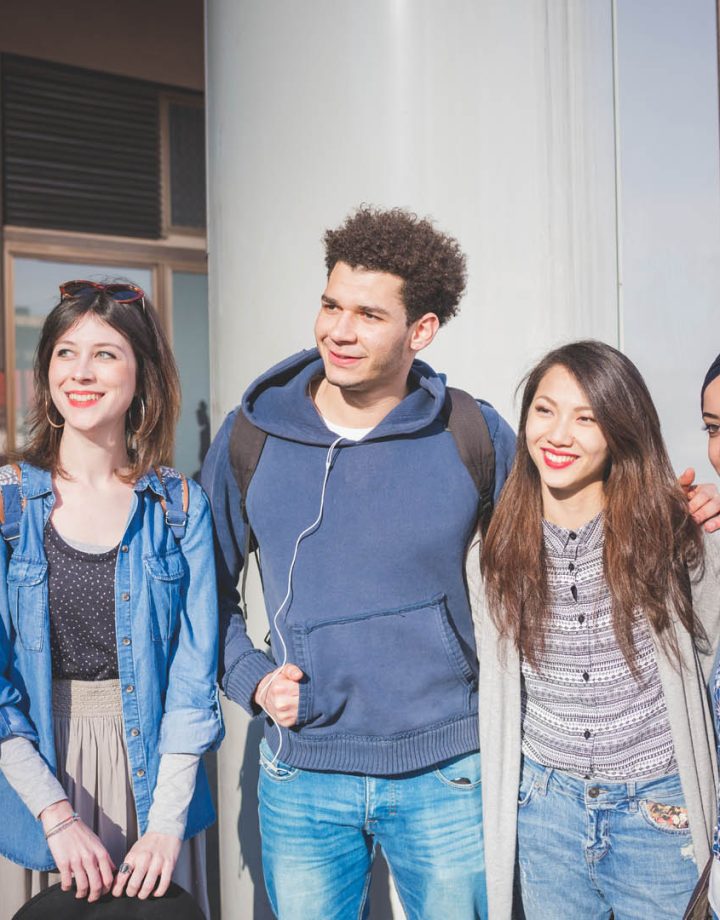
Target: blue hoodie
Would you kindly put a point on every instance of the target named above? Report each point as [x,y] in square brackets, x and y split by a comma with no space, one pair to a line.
[377,615]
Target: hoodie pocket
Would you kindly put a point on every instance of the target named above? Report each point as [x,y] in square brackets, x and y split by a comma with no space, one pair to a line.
[384,672]
[27,594]
[165,575]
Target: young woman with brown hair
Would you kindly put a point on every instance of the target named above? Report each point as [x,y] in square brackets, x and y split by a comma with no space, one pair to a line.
[596,631]
[108,617]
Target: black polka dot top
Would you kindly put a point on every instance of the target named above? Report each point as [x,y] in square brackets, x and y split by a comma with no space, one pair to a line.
[81,594]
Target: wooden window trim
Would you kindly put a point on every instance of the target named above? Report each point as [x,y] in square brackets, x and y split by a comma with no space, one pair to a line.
[165,101]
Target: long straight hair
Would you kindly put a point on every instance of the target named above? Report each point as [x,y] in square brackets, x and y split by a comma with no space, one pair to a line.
[151,419]
[650,538]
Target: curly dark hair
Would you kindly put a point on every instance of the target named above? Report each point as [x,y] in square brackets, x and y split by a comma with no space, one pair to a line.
[431,264]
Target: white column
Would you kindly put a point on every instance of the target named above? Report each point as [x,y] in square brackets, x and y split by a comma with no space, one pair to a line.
[670,214]
[496,118]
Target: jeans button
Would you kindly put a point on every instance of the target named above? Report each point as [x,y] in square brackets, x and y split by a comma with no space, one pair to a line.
[593,792]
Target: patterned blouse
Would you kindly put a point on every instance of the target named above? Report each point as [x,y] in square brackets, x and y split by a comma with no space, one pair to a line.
[583,711]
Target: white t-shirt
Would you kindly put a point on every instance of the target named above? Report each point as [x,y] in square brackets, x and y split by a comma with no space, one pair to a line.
[350,434]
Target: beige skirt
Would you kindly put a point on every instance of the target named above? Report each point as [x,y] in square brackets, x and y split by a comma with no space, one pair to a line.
[93,770]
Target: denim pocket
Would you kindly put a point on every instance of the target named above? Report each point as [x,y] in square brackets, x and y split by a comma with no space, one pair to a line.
[390,671]
[165,574]
[27,596]
[275,770]
[668,819]
[662,806]
[528,785]
[461,773]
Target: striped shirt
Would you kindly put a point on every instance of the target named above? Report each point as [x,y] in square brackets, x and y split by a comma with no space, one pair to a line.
[583,711]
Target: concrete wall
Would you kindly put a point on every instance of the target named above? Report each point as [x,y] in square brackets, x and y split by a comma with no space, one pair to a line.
[667,68]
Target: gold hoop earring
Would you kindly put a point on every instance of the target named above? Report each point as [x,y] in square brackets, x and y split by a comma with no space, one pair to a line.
[50,422]
[136,431]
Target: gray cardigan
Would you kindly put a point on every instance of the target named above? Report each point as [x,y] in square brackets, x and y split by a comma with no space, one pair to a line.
[688,707]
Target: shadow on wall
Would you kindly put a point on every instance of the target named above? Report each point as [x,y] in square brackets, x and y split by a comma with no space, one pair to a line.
[249,837]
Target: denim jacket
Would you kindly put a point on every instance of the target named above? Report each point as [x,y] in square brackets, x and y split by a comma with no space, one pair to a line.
[166,622]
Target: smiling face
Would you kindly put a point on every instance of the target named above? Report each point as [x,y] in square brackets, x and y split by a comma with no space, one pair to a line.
[711,417]
[362,332]
[565,442]
[92,377]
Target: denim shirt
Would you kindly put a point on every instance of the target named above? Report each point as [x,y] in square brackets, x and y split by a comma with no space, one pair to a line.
[166,623]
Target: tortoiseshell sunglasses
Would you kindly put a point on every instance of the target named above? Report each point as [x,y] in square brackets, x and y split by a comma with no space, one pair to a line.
[122,293]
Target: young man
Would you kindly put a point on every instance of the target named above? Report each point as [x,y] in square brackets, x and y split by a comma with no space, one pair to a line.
[362,509]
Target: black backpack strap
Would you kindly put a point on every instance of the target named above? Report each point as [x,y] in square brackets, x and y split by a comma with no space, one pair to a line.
[12,504]
[246,445]
[177,502]
[466,423]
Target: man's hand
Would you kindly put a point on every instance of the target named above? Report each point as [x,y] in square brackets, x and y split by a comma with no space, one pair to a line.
[703,500]
[278,693]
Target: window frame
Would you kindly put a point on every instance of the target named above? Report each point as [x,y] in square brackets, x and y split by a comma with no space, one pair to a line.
[166,99]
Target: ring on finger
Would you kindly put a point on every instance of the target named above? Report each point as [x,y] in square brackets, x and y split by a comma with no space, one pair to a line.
[125,869]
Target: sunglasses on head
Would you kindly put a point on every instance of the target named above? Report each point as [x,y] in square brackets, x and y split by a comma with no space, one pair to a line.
[120,292]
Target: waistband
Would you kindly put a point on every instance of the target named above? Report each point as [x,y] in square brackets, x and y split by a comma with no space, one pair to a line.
[601,793]
[87,698]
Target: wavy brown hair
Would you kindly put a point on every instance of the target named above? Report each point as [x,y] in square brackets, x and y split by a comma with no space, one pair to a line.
[149,434]
[650,538]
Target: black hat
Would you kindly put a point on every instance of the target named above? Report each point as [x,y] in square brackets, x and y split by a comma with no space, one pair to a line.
[57,904]
[709,377]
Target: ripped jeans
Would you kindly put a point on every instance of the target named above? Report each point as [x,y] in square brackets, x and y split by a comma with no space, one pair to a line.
[591,849]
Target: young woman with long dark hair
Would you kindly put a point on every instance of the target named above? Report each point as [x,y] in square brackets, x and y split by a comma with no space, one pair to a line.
[108,617]
[597,629]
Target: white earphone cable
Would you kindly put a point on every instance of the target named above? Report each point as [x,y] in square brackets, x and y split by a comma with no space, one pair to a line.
[288,594]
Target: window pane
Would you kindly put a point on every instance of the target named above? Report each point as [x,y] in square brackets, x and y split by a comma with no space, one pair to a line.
[192,352]
[187,165]
[35,293]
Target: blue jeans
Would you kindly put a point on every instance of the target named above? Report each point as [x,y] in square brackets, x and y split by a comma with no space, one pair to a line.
[588,848]
[319,832]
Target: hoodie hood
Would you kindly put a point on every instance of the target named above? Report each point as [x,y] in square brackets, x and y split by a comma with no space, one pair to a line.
[279,403]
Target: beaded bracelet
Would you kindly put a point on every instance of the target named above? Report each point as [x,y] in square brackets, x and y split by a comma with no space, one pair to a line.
[61,825]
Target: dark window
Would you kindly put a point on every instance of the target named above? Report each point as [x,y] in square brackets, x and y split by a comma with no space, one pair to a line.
[186,129]
[80,150]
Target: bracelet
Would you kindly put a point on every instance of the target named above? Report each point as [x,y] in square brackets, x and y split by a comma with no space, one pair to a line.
[61,825]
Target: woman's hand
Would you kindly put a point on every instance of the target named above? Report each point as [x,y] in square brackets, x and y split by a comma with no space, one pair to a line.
[78,853]
[152,857]
[703,500]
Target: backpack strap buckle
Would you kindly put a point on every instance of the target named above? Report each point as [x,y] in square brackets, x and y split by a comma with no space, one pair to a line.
[175,505]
